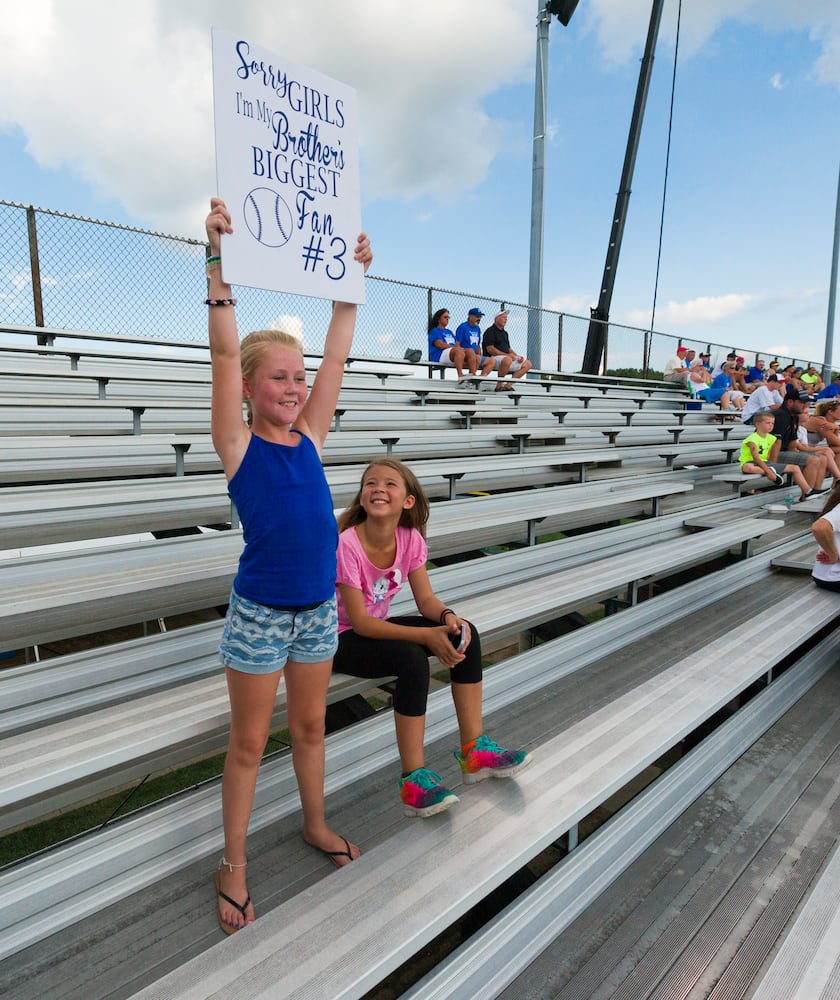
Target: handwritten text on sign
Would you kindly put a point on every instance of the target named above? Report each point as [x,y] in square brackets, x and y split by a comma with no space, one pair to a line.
[287,167]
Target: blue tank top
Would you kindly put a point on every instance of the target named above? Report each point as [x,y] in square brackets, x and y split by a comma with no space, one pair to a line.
[288,524]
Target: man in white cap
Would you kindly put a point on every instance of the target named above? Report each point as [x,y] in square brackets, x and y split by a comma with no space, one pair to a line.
[676,369]
[496,345]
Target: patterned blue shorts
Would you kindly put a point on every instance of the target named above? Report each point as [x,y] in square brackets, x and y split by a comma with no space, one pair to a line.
[257,639]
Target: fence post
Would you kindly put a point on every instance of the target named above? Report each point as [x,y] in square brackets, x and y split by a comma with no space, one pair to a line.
[35,270]
[606,347]
[560,342]
[646,353]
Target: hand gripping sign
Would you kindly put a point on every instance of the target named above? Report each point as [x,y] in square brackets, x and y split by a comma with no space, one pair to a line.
[287,166]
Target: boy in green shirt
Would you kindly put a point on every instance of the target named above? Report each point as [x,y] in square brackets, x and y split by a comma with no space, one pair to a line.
[759,450]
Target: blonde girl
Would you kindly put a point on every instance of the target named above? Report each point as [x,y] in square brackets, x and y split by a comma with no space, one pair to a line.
[281,615]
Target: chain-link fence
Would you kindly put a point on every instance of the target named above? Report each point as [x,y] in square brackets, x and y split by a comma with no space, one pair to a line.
[64,272]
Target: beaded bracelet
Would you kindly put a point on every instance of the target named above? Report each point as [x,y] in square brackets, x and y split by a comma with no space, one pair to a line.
[211,264]
[444,613]
[220,302]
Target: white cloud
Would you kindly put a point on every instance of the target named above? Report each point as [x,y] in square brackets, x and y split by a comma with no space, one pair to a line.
[576,303]
[621,25]
[704,309]
[120,94]
[776,82]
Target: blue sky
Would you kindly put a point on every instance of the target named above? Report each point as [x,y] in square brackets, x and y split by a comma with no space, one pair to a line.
[105,111]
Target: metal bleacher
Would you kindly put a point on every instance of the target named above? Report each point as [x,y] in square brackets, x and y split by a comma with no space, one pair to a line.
[658,659]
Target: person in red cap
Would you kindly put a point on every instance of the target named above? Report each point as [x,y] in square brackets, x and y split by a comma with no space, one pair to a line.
[739,376]
[676,369]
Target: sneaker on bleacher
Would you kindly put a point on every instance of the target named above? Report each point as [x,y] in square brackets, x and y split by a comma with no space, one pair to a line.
[423,793]
[488,760]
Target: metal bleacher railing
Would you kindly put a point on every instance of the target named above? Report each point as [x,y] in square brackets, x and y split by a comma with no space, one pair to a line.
[68,272]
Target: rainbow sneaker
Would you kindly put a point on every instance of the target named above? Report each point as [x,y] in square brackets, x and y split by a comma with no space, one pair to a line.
[488,760]
[424,794]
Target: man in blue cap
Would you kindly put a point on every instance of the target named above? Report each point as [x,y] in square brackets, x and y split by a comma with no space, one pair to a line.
[468,335]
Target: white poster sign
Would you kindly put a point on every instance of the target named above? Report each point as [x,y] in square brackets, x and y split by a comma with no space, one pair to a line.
[287,167]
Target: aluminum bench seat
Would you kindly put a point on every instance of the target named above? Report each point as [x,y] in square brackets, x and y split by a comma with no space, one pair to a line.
[61,887]
[675,890]
[398,896]
[807,964]
[118,741]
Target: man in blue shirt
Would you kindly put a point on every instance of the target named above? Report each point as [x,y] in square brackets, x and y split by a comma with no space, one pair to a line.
[755,376]
[468,336]
[831,390]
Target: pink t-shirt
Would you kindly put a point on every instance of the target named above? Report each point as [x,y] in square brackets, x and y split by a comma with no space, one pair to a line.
[378,586]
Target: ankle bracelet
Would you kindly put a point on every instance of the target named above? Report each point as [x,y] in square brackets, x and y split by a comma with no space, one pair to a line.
[229,866]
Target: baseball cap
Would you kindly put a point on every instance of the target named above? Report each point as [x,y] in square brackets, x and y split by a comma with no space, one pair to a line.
[739,361]
[475,311]
[705,354]
[681,350]
[792,393]
[502,312]
[772,377]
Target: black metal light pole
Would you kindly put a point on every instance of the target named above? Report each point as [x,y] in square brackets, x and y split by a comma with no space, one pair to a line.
[828,359]
[600,315]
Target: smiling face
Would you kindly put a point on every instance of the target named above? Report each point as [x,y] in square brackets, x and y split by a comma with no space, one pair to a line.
[277,389]
[383,493]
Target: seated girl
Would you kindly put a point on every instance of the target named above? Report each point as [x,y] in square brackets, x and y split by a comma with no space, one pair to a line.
[826,530]
[381,545]
[822,426]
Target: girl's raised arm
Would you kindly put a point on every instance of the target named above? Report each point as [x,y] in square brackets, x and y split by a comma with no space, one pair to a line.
[228,429]
[320,406]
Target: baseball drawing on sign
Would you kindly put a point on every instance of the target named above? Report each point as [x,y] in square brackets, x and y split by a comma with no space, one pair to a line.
[268,217]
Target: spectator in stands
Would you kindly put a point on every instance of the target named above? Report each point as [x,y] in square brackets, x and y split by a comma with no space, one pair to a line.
[826,530]
[755,376]
[765,396]
[786,428]
[710,393]
[738,375]
[831,390]
[468,336]
[282,612]
[811,381]
[445,350]
[699,378]
[795,379]
[759,456]
[496,345]
[804,444]
[705,360]
[676,369]
[381,545]
[730,396]
[719,367]
[822,425]
[789,376]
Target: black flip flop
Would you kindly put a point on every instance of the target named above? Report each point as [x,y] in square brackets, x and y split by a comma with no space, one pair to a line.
[332,855]
[223,895]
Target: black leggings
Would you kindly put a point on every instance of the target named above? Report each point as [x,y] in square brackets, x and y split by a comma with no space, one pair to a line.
[360,656]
